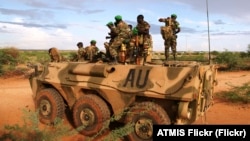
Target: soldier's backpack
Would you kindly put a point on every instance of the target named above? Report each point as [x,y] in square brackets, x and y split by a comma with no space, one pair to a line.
[166,31]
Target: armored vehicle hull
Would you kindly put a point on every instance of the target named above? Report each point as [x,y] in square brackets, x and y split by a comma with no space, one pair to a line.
[177,92]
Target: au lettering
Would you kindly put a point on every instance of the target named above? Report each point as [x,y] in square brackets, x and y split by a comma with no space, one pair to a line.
[141,81]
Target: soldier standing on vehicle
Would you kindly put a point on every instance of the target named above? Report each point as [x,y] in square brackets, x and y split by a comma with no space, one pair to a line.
[54,55]
[122,32]
[111,38]
[144,36]
[92,51]
[112,33]
[133,51]
[169,34]
[143,31]
[81,52]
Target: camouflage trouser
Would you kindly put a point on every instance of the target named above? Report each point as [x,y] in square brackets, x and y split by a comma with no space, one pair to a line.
[114,47]
[106,45]
[146,44]
[170,43]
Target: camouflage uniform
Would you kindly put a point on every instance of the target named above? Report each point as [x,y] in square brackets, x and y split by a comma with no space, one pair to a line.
[81,52]
[112,33]
[144,36]
[122,31]
[170,42]
[54,55]
[91,51]
[111,38]
[143,31]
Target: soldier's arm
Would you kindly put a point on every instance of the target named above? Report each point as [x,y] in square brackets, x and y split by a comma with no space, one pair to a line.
[115,31]
[162,19]
[147,27]
[178,29]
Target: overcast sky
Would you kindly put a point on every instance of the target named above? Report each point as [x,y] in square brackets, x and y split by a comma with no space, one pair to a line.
[41,24]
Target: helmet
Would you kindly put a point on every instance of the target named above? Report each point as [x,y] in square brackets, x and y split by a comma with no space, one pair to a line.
[118,17]
[93,41]
[174,16]
[109,23]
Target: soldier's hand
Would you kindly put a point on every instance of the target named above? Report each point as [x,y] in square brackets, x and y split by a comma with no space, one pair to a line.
[160,20]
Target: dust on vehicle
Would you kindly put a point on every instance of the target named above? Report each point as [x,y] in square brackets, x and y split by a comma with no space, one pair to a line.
[174,92]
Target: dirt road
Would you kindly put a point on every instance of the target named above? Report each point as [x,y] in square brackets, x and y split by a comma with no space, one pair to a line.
[16,95]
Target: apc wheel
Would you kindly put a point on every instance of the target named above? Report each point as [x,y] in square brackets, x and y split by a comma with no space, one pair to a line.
[50,105]
[188,112]
[143,116]
[92,114]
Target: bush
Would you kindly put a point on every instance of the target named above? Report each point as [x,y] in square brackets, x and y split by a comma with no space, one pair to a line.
[237,94]
[30,130]
[229,58]
[9,56]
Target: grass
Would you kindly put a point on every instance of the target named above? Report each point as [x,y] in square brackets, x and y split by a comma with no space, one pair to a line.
[32,131]
[237,94]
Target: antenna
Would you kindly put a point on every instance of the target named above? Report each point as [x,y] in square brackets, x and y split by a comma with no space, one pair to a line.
[209,58]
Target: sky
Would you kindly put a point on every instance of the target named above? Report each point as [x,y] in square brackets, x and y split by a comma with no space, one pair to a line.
[42,24]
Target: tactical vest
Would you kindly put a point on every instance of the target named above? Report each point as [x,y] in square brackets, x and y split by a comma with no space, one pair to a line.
[166,31]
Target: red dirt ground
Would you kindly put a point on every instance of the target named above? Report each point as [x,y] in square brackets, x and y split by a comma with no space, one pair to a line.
[15,95]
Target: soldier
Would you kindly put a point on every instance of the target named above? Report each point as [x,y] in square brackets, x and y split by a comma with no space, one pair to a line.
[144,36]
[143,30]
[54,55]
[91,51]
[134,47]
[112,33]
[111,38]
[122,32]
[81,52]
[130,27]
[169,34]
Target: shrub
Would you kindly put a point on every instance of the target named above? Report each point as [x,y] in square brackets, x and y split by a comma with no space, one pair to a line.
[30,130]
[237,94]
[229,58]
[9,56]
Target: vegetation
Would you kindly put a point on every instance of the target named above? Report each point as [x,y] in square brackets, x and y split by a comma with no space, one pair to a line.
[31,130]
[11,57]
[237,94]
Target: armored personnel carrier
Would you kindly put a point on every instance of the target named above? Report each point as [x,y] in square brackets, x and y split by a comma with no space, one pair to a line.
[175,92]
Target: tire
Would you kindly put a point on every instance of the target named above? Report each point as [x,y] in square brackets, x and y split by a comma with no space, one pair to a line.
[91,114]
[188,112]
[143,116]
[50,105]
